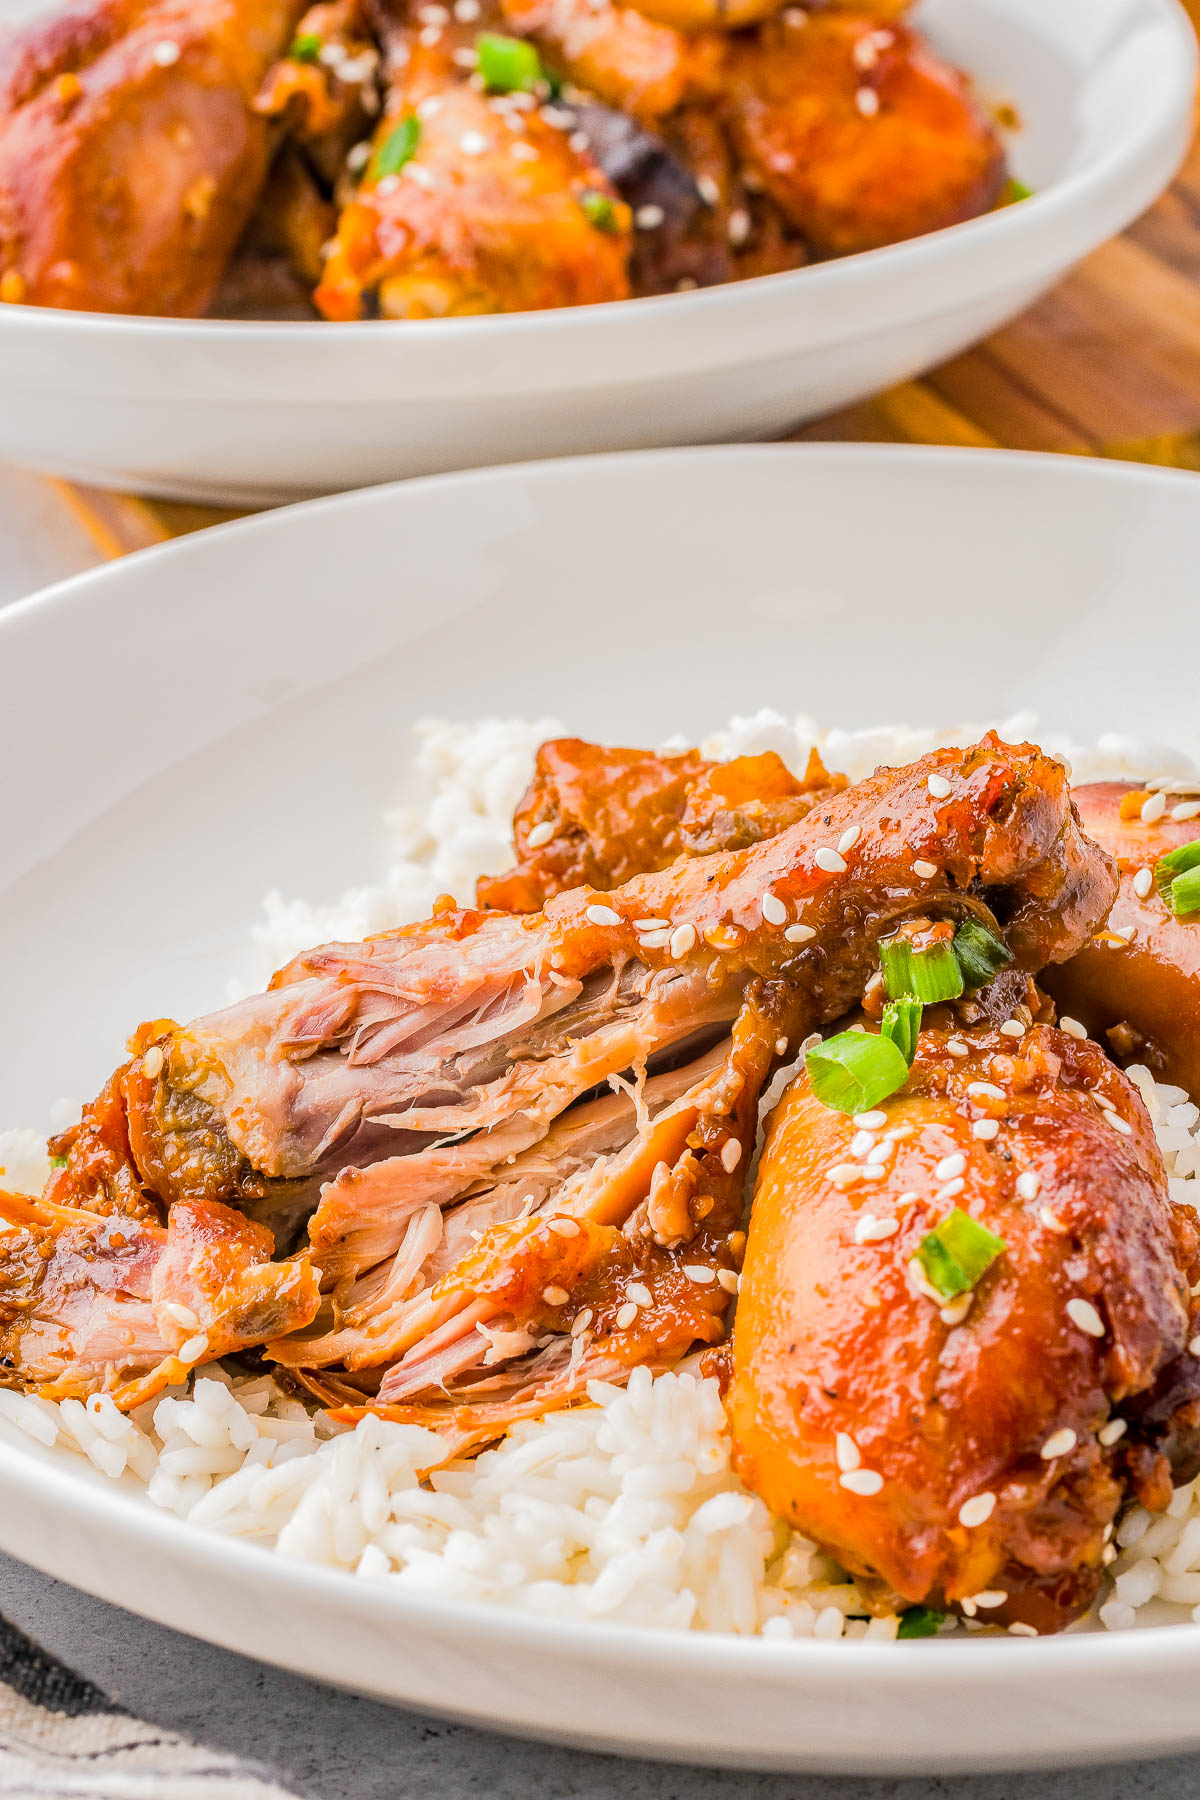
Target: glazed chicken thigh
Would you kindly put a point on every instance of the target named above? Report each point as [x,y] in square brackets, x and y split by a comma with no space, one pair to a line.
[953,1442]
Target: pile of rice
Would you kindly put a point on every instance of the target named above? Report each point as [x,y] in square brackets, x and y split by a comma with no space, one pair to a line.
[625,1509]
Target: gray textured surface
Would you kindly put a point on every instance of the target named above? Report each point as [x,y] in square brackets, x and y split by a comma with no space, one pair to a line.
[333,1746]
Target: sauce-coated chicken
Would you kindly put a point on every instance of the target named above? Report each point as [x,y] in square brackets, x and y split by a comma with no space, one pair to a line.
[1138,981]
[131,156]
[971,1452]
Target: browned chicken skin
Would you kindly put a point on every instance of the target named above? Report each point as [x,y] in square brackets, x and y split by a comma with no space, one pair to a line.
[986,1428]
[130,153]
[1144,994]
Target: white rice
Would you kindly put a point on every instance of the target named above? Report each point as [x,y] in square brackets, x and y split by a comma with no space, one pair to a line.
[625,1509]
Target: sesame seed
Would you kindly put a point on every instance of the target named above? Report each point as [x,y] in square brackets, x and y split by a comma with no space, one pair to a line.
[1012,1028]
[773,909]
[849,838]
[731,1155]
[683,939]
[1153,809]
[1112,1432]
[1072,1027]
[699,1273]
[434,13]
[1117,1122]
[581,1322]
[152,1062]
[861,1481]
[523,152]
[1019,1629]
[920,1281]
[985,1129]
[182,1315]
[926,870]
[358,156]
[861,1142]
[388,184]
[728,1279]
[984,1090]
[739,225]
[1143,881]
[430,36]
[871,1230]
[466,11]
[830,861]
[472,143]
[708,190]
[1050,1220]
[939,787]
[193,1349]
[1028,1185]
[957,1310]
[626,1315]
[1187,809]
[950,1166]
[567,1228]
[870,1121]
[1126,933]
[540,834]
[166,54]
[781,1045]
[649,218]
[1194,1347]
[414,171]
[842,1175]
[1059,1444]
[847,1452]
[879,1153]
[579,141]
[866,52]
[799,934]
[1083,1314]
[956,1047]
[652,924]
[867,102]
[990,1597]
[977,1510]
[602,915]
[656,940]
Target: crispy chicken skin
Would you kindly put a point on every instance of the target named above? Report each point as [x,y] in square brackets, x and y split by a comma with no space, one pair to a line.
[596,817]
[841,1361]
[849,173]
[130,153]
[494,210]
[425,1095]
[1144,994]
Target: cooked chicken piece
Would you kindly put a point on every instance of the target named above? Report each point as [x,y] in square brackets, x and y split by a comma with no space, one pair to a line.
[861,134]
[130,153]
[91,1302]
[400,1078]
[968,1442]
[1141,990]
[626,60]
[596,817]
[471,204]
[728,15]
[325,89]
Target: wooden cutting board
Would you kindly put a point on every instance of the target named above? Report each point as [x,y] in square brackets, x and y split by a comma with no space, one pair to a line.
[1107,365]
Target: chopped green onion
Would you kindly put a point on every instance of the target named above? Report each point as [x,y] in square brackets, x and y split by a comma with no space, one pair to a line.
[1183,896]
[981,954]
[919,1622]
[1016,190]
[599,210]
[399,148]
[854,1071]
[901,1023]
[957,1252]
[927,975]
[1175,862]
[508,65]
[306,47]
[58,1162]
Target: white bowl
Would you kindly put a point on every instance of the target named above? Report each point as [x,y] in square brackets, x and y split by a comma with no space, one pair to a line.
[244,413]
[197,722]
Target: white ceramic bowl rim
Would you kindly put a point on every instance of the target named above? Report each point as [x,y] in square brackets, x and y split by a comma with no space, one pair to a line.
[54,1480]
[1149,131]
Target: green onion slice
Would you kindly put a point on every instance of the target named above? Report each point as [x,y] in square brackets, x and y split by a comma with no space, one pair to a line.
[902,1023]
[305,47]
[1176,862]
[1183,896]
[919,1622]
[508,65]
[1016,190]
[927,975]
[981,954]
[399,148]
[854,1071]
[58,1162]
[957,1252]
[599,210]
